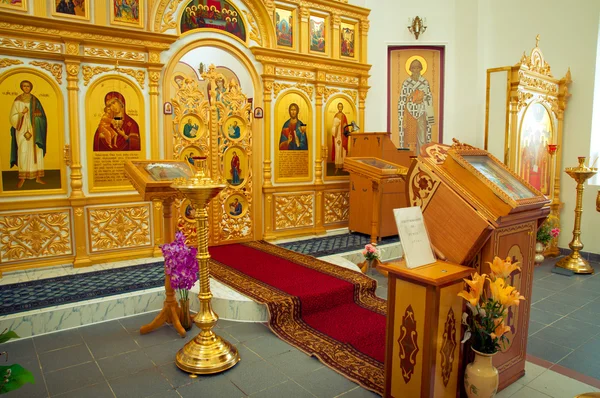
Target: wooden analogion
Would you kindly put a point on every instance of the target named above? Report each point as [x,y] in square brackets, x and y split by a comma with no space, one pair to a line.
[476,208]
[376,169]
[423,329]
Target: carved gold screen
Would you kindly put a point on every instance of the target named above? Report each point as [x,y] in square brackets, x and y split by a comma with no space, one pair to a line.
[525,107]
[212,118]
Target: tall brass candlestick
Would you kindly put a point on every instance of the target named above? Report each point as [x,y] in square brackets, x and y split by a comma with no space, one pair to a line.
[573,261]
[206,353]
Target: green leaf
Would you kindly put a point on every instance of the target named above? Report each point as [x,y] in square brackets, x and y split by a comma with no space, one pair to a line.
[4,337]
[18,377]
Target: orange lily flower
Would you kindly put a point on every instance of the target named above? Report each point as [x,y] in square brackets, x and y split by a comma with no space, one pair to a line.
[504,293]
[476,288]
[503,268]
[500,329]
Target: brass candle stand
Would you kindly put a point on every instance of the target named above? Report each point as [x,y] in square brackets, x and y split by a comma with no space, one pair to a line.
[206,353]
[573,261]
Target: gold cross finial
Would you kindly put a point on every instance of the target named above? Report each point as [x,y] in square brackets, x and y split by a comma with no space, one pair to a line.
[537,40]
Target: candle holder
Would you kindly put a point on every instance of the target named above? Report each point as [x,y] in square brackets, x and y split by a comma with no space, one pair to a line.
[417,26]
[206,353]
[573,261]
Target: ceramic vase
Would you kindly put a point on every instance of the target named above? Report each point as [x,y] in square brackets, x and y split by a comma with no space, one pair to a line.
[539,253]
[184,314]
[481,377]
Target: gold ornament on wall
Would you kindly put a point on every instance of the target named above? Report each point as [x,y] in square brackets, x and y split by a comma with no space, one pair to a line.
[30,45]
[278,87]
[4,62]
[352,93]
[115,54]
[306,88]
[294,211]
[89,72]
[337,207]
[55,69]
[119,228]
[254,32]
[35,235]
[417,26]
[329,91]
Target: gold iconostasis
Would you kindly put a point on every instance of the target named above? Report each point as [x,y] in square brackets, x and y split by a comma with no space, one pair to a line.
[265,91]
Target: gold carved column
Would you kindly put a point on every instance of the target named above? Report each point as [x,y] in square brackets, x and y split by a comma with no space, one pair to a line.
[155,112]
[82,259]
[304,30]
[267,175]
[319,213]
[335,25]
[364,36]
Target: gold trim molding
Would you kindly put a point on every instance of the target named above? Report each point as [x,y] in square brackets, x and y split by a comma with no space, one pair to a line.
[114,54]
[300,74]
[4,62]
[30,45]
[337,207]
[55,69]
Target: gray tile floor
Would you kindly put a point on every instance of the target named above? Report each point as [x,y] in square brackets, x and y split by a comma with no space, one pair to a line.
[112,359]
[565,319]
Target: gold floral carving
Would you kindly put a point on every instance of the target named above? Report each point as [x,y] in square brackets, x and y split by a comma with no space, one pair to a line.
[118,228]
[35,235]
[293,211]
[277,87]
[306,88]
[254,32]
[137,74]
[306,64]
[55,69]
[154,76]
[154,57]
[337,207]
[341,79]
[541,84]
[89,72]
[535,61]
[422,183]
[352,93]
[287,72]
[364,25]
[72,70]
[72,48]
[268,87]
[79,211]
[329,91]
[30,45]
[167,20]
[523,99]
[115,54]
[4,62]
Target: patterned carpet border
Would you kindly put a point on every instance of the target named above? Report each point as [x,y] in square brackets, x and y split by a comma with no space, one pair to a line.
[335,244]
[285,320]
[43,293]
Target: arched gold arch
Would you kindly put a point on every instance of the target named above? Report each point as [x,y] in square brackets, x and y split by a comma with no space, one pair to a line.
[164,16]
[257,126]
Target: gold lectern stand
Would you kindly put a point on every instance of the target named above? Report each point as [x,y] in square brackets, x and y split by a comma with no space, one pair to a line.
[206,353]
[573,261]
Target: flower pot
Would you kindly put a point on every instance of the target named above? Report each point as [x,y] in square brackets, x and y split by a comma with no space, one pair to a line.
[184,314]
[539,253]
[481,377]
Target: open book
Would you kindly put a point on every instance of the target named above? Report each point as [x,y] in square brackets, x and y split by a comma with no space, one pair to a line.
[413,237]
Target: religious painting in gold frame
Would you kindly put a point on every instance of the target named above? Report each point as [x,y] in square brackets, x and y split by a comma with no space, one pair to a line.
[235,166]
[348,39]
[31,154]
[236,206]
[76,9]
[286,27]
[535,133]
[415,95]
[115,131]
[17,5]
[340,111]
[130,14]
[191,154]
[293,137]
[319,36]
[191,128]
[494,174]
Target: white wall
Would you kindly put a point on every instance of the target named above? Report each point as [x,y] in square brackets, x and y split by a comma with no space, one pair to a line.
[482,34]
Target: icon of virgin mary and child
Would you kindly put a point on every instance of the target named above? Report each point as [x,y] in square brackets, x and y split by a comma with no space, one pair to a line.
[117,131]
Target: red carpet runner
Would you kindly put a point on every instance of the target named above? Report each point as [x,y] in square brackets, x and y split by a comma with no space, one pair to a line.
[324,310]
